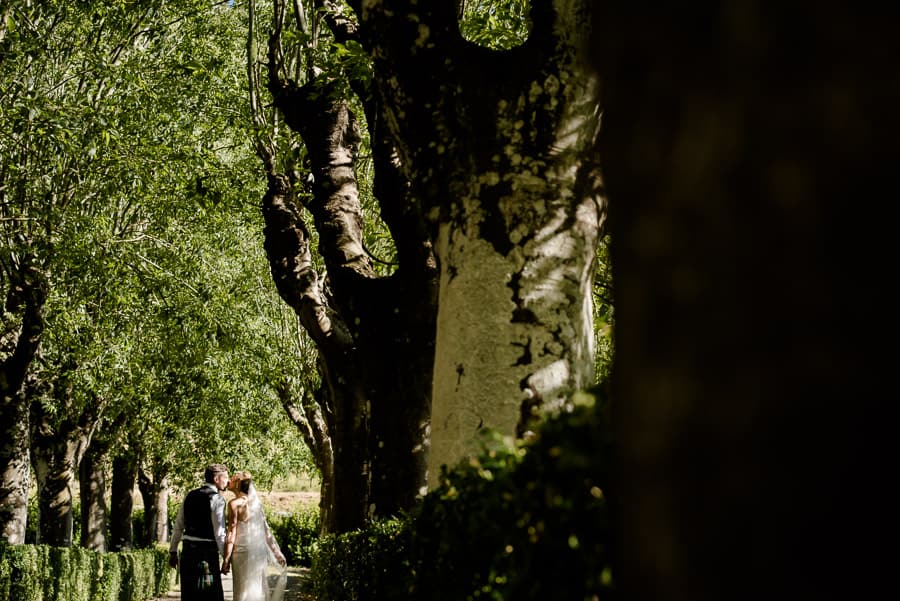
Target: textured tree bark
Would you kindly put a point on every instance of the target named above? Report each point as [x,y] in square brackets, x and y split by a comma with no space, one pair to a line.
[124,475]
[389,319]
[493,143]
[55,519]
[309,420]
[342,399]
[375,334]
[23,324]
[56,451]
[743,147]
[92,492]
[160,523]
[15,462]
[155,496]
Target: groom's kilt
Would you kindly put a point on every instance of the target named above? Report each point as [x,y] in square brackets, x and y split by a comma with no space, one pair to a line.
[200,582]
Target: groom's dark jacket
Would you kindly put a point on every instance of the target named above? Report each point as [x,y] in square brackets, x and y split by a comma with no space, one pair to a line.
[197,516]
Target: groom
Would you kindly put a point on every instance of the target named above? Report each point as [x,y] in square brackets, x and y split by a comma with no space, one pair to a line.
[200,527]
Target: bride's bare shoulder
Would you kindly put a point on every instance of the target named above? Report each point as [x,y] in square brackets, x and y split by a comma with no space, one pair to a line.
[237,503]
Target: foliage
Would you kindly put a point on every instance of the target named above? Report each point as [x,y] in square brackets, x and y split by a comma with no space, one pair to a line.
[44,573]
[363,564]
[499,25]
[296,533]
[528,522]
[126,172]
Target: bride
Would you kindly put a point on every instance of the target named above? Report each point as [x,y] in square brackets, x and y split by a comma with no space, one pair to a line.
[249,545]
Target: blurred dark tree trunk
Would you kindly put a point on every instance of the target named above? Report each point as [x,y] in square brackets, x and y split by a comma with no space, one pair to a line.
[744,145]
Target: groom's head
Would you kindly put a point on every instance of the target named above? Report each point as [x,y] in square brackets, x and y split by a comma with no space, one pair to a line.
[217,475]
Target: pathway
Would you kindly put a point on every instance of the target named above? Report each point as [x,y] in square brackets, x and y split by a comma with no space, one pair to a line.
[294,591]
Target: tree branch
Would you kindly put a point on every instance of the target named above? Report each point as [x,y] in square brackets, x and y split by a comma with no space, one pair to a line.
[287,247]
[343,27]
[331,140]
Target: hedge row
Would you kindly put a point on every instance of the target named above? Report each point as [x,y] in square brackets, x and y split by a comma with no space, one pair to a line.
[519,522]
[45,573]
[296,534]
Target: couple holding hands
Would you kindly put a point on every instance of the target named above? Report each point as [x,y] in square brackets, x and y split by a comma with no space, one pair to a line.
[239,534]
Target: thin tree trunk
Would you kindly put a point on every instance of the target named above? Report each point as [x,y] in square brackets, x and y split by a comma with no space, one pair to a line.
[311,423]
[121,531]
[94,512]
[155,496]
[160,502]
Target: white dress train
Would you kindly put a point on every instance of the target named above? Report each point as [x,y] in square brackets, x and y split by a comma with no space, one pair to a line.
[253,553]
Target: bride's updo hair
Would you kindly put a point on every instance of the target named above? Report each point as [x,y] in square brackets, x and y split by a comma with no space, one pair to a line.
[244,481]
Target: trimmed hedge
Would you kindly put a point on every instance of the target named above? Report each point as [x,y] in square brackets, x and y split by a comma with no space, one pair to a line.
[296,534]
[44,573]
[366,564]
[526,522]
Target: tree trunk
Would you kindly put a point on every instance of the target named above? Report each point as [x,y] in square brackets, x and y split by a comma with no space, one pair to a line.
[94,512]
[54,483]
[342,399]
[513,328]
[25,297]
[745,149]
[155,496]
[15,462]
[309,420]
[56,451]
[388,319]
[121,530]
[493,143]
[382,358]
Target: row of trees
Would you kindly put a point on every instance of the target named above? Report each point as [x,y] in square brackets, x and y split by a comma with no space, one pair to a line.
[140,332]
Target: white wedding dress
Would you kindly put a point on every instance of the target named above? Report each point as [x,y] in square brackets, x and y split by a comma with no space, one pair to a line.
[253,554]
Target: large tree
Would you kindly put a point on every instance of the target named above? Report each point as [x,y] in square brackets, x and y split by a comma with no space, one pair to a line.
[372,327]
[493,144]
[478,168]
